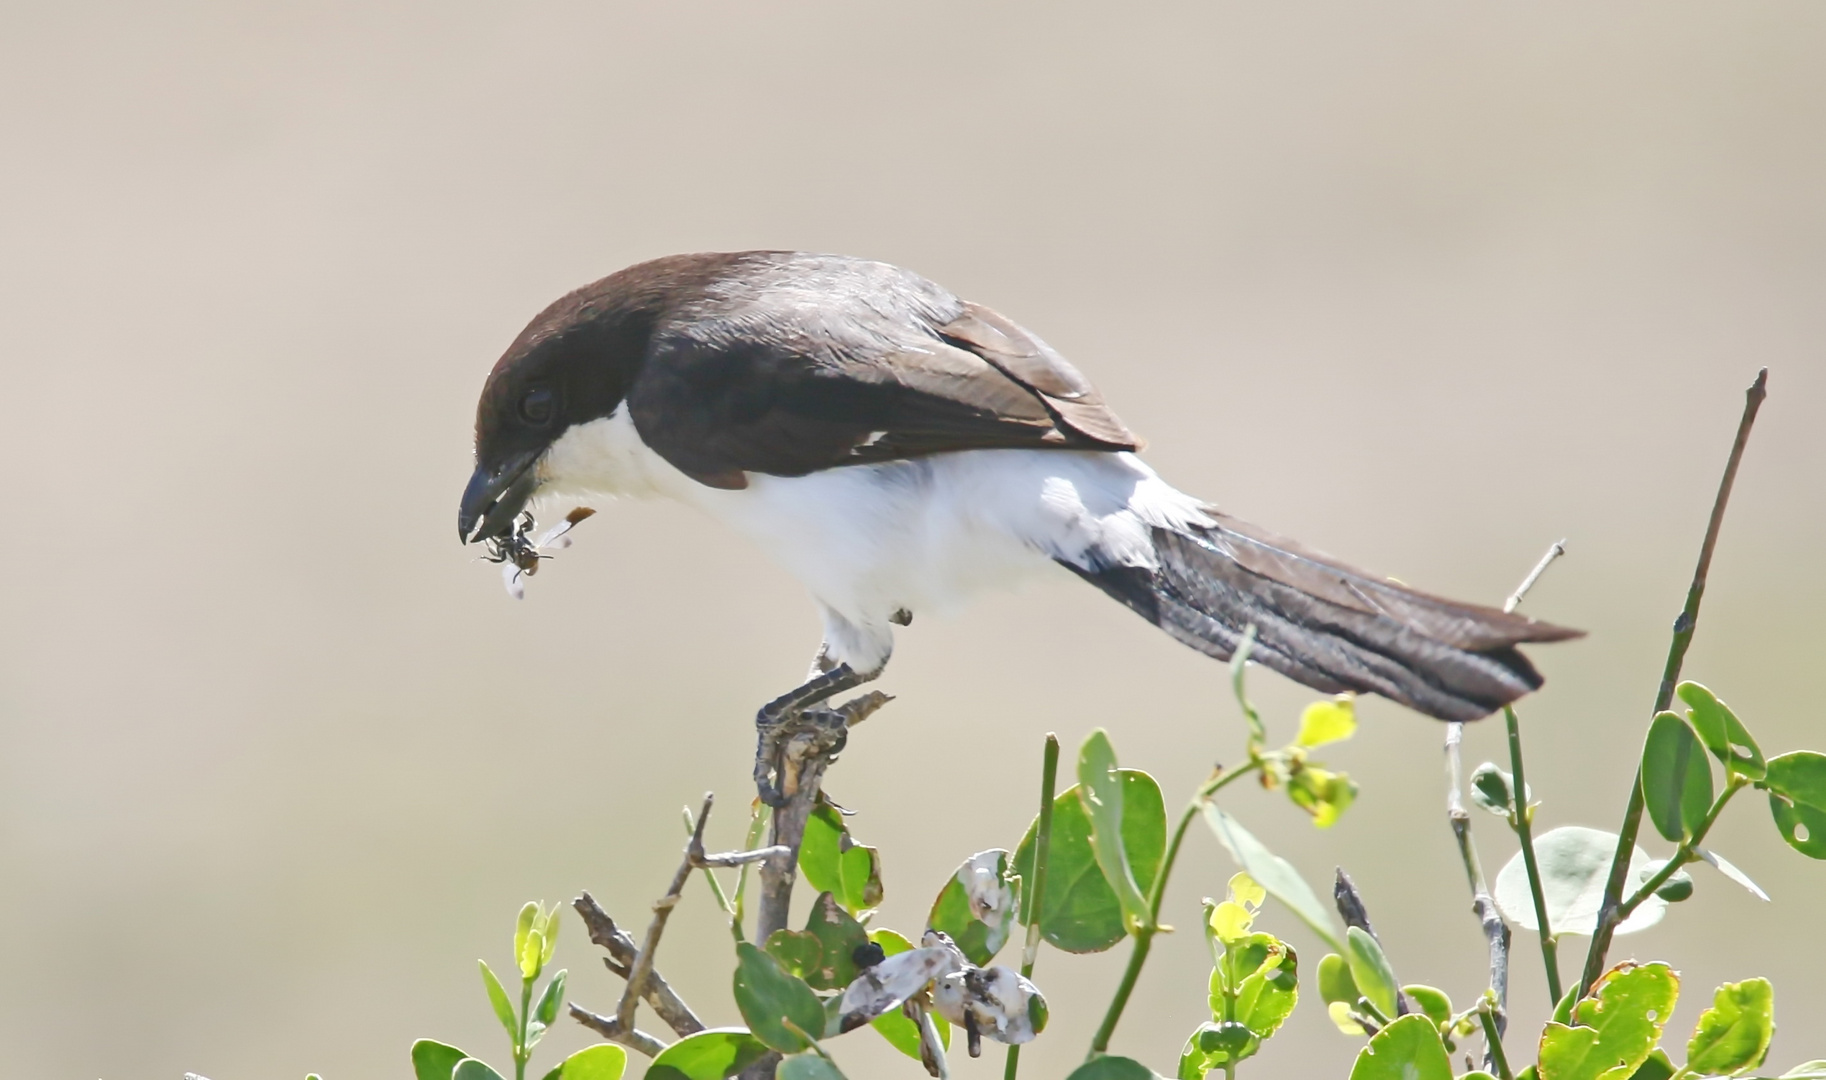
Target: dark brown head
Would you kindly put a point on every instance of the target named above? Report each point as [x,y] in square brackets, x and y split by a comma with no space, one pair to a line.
[571,365]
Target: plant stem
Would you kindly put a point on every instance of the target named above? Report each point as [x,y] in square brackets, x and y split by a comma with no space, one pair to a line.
[1524,831]
[1682,854]
[1033,891]
[1494,1040]
[1684,625]
[1144,935]
[521,1054]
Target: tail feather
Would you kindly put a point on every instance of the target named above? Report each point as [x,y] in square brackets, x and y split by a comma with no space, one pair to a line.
[1327,625]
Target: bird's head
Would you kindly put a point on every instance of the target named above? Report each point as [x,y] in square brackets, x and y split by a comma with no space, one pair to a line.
[570,366]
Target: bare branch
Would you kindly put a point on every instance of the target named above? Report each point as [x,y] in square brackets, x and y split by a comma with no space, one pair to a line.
[1515,598]
[1684,625]
[810,741]
[608,1028]
[658,994]
[642,968]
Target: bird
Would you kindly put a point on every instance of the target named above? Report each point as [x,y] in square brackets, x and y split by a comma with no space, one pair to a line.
[899,449]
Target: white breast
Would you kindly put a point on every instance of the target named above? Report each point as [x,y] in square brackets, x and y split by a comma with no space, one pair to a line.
[920,535]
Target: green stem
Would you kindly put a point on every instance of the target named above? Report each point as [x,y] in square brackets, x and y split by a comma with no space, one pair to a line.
[520,1052]
[1682,854]
[1032,892]
[1684,625]
[1495,1042]
[716,887]
[1144,935]
[1524,830]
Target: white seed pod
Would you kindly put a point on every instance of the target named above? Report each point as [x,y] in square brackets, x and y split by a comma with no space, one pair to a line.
[893,981]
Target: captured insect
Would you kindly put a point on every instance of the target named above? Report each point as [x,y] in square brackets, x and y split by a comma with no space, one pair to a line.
[519,553]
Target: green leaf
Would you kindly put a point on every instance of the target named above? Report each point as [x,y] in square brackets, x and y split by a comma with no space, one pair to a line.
[523,926]
[1272,873]
[1654,1067]
[895,1026]
[1575,863]
[433,1060]
[604,1061]
[1370,969]
[1797,798]
[1433,1002]
[1080,912]
[1722,732]
[1408,1049]
[859,867]
[1322,793]
[1620,1022]
[1734,1033]
[807,1067]
[1113,1068]
[1270,986]
[798,951]
[1811,1070]
[471,1069]
[497,996]
[1676,778]
[1724,866]
[839,936]
[708,1055]
[978,906]
[1215,1045]
[1327,721]
[766,993]
[1100,790]
[1494,790]
[547,1009]
[1335,982]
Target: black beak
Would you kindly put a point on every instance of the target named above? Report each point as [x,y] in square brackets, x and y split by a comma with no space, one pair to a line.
[494,498]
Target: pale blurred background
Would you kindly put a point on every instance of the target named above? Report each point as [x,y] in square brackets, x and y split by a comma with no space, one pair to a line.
[1429,285]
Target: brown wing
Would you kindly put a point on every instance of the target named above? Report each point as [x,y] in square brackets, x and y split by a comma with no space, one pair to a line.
[789,364]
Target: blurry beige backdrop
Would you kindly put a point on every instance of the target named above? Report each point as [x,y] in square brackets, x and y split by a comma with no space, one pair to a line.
[1429,285]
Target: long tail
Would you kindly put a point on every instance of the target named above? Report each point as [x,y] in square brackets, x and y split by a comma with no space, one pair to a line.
[1327,625]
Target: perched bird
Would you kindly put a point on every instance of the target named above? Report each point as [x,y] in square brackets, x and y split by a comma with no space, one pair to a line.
[897,448]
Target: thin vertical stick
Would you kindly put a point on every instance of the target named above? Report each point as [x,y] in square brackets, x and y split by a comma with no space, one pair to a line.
[1032,892]
[1684,625]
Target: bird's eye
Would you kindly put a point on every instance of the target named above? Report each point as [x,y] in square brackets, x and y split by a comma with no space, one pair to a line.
[538,406]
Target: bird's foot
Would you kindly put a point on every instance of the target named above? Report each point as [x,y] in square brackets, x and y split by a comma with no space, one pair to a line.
[792,730]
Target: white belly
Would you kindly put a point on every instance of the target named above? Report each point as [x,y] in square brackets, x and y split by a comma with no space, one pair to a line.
[920,535]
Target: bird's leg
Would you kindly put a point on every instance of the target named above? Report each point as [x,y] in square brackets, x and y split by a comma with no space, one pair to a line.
[782,718]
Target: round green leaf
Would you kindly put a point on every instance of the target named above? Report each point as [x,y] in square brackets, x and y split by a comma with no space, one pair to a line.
[1618,1024]
[1493,789]
[1408,1049]
[1722,732]
[839,936]
[1575,863]
[1335,982]
[1433,1002]
[1113,1068]
[433,1060]
[1797,798]
[471,1069]
[978,906]
[1734,1033]
[766,993]
[604,1061]
[807,1067]
[708,1055]
[1270,987]
[1079,911]
[1676,778]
